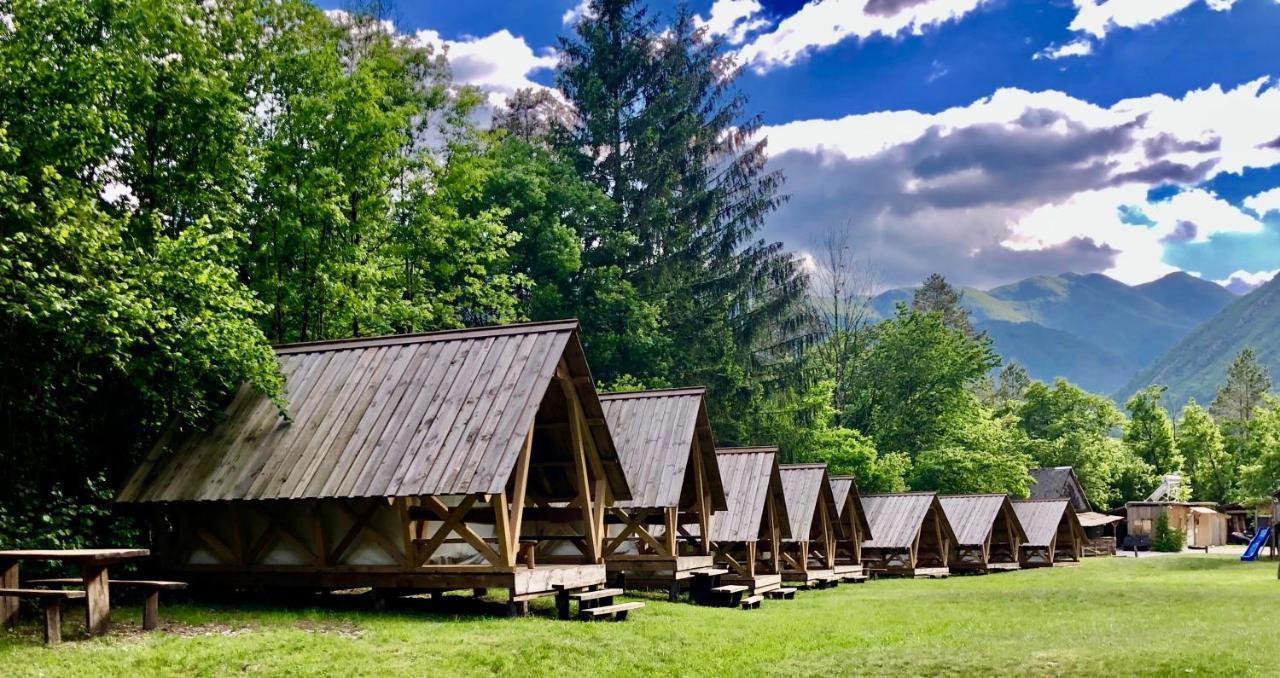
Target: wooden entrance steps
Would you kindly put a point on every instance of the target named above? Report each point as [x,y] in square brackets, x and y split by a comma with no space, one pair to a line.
[595,595]
[752,602]
[616,612]
[784,593]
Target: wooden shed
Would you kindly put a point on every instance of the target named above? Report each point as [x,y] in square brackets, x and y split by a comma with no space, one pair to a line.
[1054,534]
[447,460]
[661,535]
[988,534]
[747,537]
[910,535]
[809,555]
[854,528]
[1201,523]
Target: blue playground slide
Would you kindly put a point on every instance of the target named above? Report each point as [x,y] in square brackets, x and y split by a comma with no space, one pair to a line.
[1255,545]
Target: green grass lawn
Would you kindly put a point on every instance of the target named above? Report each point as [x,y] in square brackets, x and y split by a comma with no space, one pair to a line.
[1182,614]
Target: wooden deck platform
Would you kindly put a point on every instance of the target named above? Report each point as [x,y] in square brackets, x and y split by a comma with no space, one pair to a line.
[918,573]
[812,578]
[761,583]
[680,566]
[522,582]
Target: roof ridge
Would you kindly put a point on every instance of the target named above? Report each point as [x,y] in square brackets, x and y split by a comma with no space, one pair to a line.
[804,465]
[745,450]
[900,494]
[654,392]
[426,337]
[974,494]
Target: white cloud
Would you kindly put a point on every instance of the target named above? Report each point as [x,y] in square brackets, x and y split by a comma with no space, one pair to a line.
[1022,179]
[734,19]
[499,63]
[1243,281]
[821,24]
[1075,48]
[575,13]
[1264,202]
[1099,18]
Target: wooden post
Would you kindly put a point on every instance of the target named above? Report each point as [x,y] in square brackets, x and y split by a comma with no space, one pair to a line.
[520,489]
[52,621]
[502,530]
[97,598]
[151,610]
[704,506]
[9,580]
[669,524]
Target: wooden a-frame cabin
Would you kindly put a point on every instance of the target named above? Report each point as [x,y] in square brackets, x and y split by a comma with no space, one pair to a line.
[1054,534]
[746,537]
[910,535]
[662,535]
[855,528]
[809,555]
[447,460]
[988,533]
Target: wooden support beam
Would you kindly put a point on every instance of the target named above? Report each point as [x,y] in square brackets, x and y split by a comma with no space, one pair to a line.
[520,490]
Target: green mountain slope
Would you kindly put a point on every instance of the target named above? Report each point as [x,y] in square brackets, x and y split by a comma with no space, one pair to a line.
[1197,365]
[1197,298]
[1048,354]
[1091,329]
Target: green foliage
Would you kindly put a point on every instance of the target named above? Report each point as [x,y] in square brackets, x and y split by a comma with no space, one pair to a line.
[1149,431]
[937,295]
[1165,537]
[914,374]
[1212,469]
[1260,456]
[1067,426]
[982,454]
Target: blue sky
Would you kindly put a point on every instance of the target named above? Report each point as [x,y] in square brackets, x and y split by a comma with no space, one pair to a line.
[985,139]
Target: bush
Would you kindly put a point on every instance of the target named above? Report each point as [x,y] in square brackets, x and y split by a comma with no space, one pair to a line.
[1166,537]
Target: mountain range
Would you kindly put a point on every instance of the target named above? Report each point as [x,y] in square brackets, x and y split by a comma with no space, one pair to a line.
[1197,364]
[1097,332]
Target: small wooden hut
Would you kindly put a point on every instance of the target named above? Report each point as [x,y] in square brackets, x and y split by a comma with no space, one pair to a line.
[447,460]
[855,529]
[910,535]
[1054,534]
[1202,524]
[988,534]
[663,534]
[809,555]
[747,537]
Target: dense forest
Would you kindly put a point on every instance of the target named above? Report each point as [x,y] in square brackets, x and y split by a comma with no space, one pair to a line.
[184,184]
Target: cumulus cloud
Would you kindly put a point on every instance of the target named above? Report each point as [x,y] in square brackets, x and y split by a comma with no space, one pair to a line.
[1021,183]
[499,63]
[1075,48]
[574,14]
[823,23]
[1264,202]
[1099,17]
[1243,282]
[734,19]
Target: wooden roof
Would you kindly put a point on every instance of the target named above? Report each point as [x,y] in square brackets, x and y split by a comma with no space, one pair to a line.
[437,413]
[972,516]
[804,486]
[654,432]
[750,475]
[845,491]
[1059,482]
[896,518]
[1040,518]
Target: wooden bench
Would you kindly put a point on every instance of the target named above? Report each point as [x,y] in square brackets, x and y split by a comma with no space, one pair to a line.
[52,600]
[616,612]
[784,593]
[151,606]
[752,602]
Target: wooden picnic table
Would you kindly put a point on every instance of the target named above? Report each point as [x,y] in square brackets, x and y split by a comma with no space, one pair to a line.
[93,565]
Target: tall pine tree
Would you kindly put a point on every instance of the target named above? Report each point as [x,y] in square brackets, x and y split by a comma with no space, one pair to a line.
[662,130]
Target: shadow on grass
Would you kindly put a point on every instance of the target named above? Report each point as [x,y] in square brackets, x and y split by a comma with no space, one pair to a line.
[1203,563]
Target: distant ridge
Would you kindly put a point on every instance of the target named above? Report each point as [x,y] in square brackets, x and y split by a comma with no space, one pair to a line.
[1197,365]
[1093,330]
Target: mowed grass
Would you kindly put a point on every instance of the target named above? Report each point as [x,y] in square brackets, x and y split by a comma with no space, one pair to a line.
[1186,614]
